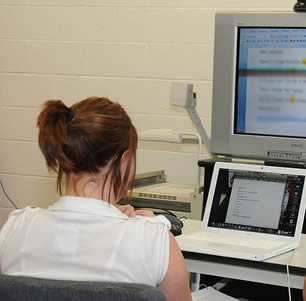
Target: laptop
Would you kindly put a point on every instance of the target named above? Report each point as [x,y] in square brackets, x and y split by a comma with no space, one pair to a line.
[253,212]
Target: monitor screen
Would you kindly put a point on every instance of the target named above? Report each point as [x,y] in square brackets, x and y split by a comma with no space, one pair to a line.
[270,91]
[259,86]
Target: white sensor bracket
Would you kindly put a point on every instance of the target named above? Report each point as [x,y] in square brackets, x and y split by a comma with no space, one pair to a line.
[182,95]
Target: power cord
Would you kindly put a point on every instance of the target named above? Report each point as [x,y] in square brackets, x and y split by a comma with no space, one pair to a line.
[289,286]
[203,286]
[7,195]
[288,274]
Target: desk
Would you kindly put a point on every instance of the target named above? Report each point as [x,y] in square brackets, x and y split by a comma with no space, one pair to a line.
[271,271]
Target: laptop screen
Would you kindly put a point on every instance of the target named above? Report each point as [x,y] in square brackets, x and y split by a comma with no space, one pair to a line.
[256,201]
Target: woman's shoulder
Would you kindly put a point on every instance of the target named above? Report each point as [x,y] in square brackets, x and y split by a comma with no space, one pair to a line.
[22,214]
[17,220]
[29,210]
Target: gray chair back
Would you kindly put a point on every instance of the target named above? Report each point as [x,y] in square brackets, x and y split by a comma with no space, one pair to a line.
[20,288]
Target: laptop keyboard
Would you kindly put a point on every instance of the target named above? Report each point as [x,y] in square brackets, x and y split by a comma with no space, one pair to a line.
[235,241]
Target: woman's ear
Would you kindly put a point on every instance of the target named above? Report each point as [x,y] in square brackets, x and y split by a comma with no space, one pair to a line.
[125,163]
[127,167]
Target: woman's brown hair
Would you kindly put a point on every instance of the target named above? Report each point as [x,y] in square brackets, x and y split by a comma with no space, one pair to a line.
[86,137]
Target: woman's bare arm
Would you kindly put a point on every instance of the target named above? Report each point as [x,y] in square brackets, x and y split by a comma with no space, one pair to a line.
[175,285]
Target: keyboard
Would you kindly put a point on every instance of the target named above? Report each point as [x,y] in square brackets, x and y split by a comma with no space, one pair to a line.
[234,241]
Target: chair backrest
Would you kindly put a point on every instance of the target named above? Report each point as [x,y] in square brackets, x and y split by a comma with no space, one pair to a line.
[20,288]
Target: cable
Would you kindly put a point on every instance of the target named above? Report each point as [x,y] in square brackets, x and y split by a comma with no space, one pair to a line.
[288,276]
[183,217]
[203,285]
[7,195]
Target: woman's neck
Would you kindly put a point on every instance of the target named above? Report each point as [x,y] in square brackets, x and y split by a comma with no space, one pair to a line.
[89,186]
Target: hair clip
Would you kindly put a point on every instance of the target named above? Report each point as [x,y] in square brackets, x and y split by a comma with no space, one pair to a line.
[70,115]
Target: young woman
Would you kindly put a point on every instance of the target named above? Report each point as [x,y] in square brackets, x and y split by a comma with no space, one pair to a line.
[84,235]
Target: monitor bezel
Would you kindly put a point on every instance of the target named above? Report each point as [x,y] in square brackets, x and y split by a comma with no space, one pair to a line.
[224,141]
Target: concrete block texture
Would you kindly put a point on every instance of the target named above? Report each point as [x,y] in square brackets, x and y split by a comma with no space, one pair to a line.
[127,50]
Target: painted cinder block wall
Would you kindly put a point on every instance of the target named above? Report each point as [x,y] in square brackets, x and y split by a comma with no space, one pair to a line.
[127,50]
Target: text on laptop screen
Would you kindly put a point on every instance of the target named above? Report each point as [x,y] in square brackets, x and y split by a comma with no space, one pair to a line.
[256,201]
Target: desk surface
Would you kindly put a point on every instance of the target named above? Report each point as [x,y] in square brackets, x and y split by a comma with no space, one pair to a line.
[271,271]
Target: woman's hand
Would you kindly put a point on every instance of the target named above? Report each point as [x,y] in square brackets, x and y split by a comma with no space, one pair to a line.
[128,210]
[147,213]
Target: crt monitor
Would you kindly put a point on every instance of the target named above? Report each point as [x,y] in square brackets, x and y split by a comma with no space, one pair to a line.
[259,86]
